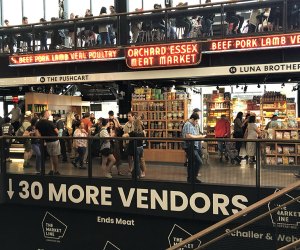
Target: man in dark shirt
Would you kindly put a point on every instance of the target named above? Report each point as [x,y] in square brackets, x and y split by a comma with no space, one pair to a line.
[46,128]
[61,132]
[7,129]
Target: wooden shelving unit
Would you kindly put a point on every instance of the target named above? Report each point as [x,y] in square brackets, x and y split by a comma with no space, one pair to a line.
[273,103]
[58,104]
[215,105]
[283,153]
[163,119]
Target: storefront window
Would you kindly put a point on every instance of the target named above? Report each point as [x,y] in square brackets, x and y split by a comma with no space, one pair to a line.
[134,4]
[78,7]
[97,5]
[51,8]
[37,14]
[12,10]
[149,5]
[190,2]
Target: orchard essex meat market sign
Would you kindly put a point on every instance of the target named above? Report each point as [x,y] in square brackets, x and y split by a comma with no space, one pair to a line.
[163,55]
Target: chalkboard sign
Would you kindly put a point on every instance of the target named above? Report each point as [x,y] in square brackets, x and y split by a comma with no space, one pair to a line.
[96,107]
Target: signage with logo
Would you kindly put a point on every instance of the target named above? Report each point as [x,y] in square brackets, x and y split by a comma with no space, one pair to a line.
[66,57]
[66,228]
[162,200]
[163,55]
[256,42]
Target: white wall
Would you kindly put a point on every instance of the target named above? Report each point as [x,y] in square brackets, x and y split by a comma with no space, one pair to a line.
[106,107]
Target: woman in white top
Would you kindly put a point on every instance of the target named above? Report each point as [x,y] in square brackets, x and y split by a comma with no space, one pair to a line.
[252,133]
[80,145]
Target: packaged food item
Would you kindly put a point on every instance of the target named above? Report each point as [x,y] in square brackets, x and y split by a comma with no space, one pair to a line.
[279,149]
[286,135]
[285,160]
[292,123]
[273,161]
[279,161]
[279,135]
[268,150]
[294,135]
[286,150]
[291,160]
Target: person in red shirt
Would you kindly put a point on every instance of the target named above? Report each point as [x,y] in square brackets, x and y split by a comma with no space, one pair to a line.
[222,130]
[86,121]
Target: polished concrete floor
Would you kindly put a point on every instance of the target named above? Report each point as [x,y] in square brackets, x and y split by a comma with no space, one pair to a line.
[213,173]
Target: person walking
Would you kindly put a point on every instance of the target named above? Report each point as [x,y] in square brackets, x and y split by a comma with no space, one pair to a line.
[7,129]
[15,117]
[189,131]
[44,127]
[238,130]
[80,145]
[222,130]
[129,127]
[252,132]
[108,159]
[115,144]
[35,144]
[137,132]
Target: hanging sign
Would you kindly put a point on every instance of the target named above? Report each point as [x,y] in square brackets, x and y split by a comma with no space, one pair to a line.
[66,57]
[163,55]
[256,42]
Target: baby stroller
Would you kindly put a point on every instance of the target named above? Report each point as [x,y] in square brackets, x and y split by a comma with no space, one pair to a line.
[232,153]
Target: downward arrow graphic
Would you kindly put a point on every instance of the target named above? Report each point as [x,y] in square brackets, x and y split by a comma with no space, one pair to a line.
[10,192]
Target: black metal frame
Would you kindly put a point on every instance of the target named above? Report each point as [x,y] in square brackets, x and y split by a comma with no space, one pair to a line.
[167,13]
[135,176]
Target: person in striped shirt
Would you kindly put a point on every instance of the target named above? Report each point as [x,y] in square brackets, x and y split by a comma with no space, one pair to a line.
[80,144]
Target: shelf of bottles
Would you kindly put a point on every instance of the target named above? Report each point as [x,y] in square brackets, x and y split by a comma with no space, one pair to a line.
[163,115]
[273,103]
[214,105]
[85,109]
[36,108]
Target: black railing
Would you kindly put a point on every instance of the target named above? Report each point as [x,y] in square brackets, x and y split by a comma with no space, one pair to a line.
[195,22]
[263,170]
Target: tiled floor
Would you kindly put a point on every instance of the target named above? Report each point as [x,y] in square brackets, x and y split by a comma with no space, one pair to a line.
[214,173]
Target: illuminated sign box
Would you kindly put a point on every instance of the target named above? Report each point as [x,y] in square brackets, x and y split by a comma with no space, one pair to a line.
[163,55]
[66,57]
[249,43]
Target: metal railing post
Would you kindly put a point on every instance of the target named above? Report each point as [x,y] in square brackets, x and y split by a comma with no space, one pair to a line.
[222,21]
[191,163]
[43,155]
[284,16]
[33,38]
[167,24]
[3,160]
[90,165]
[258,165]
[75,35]
[135,161]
